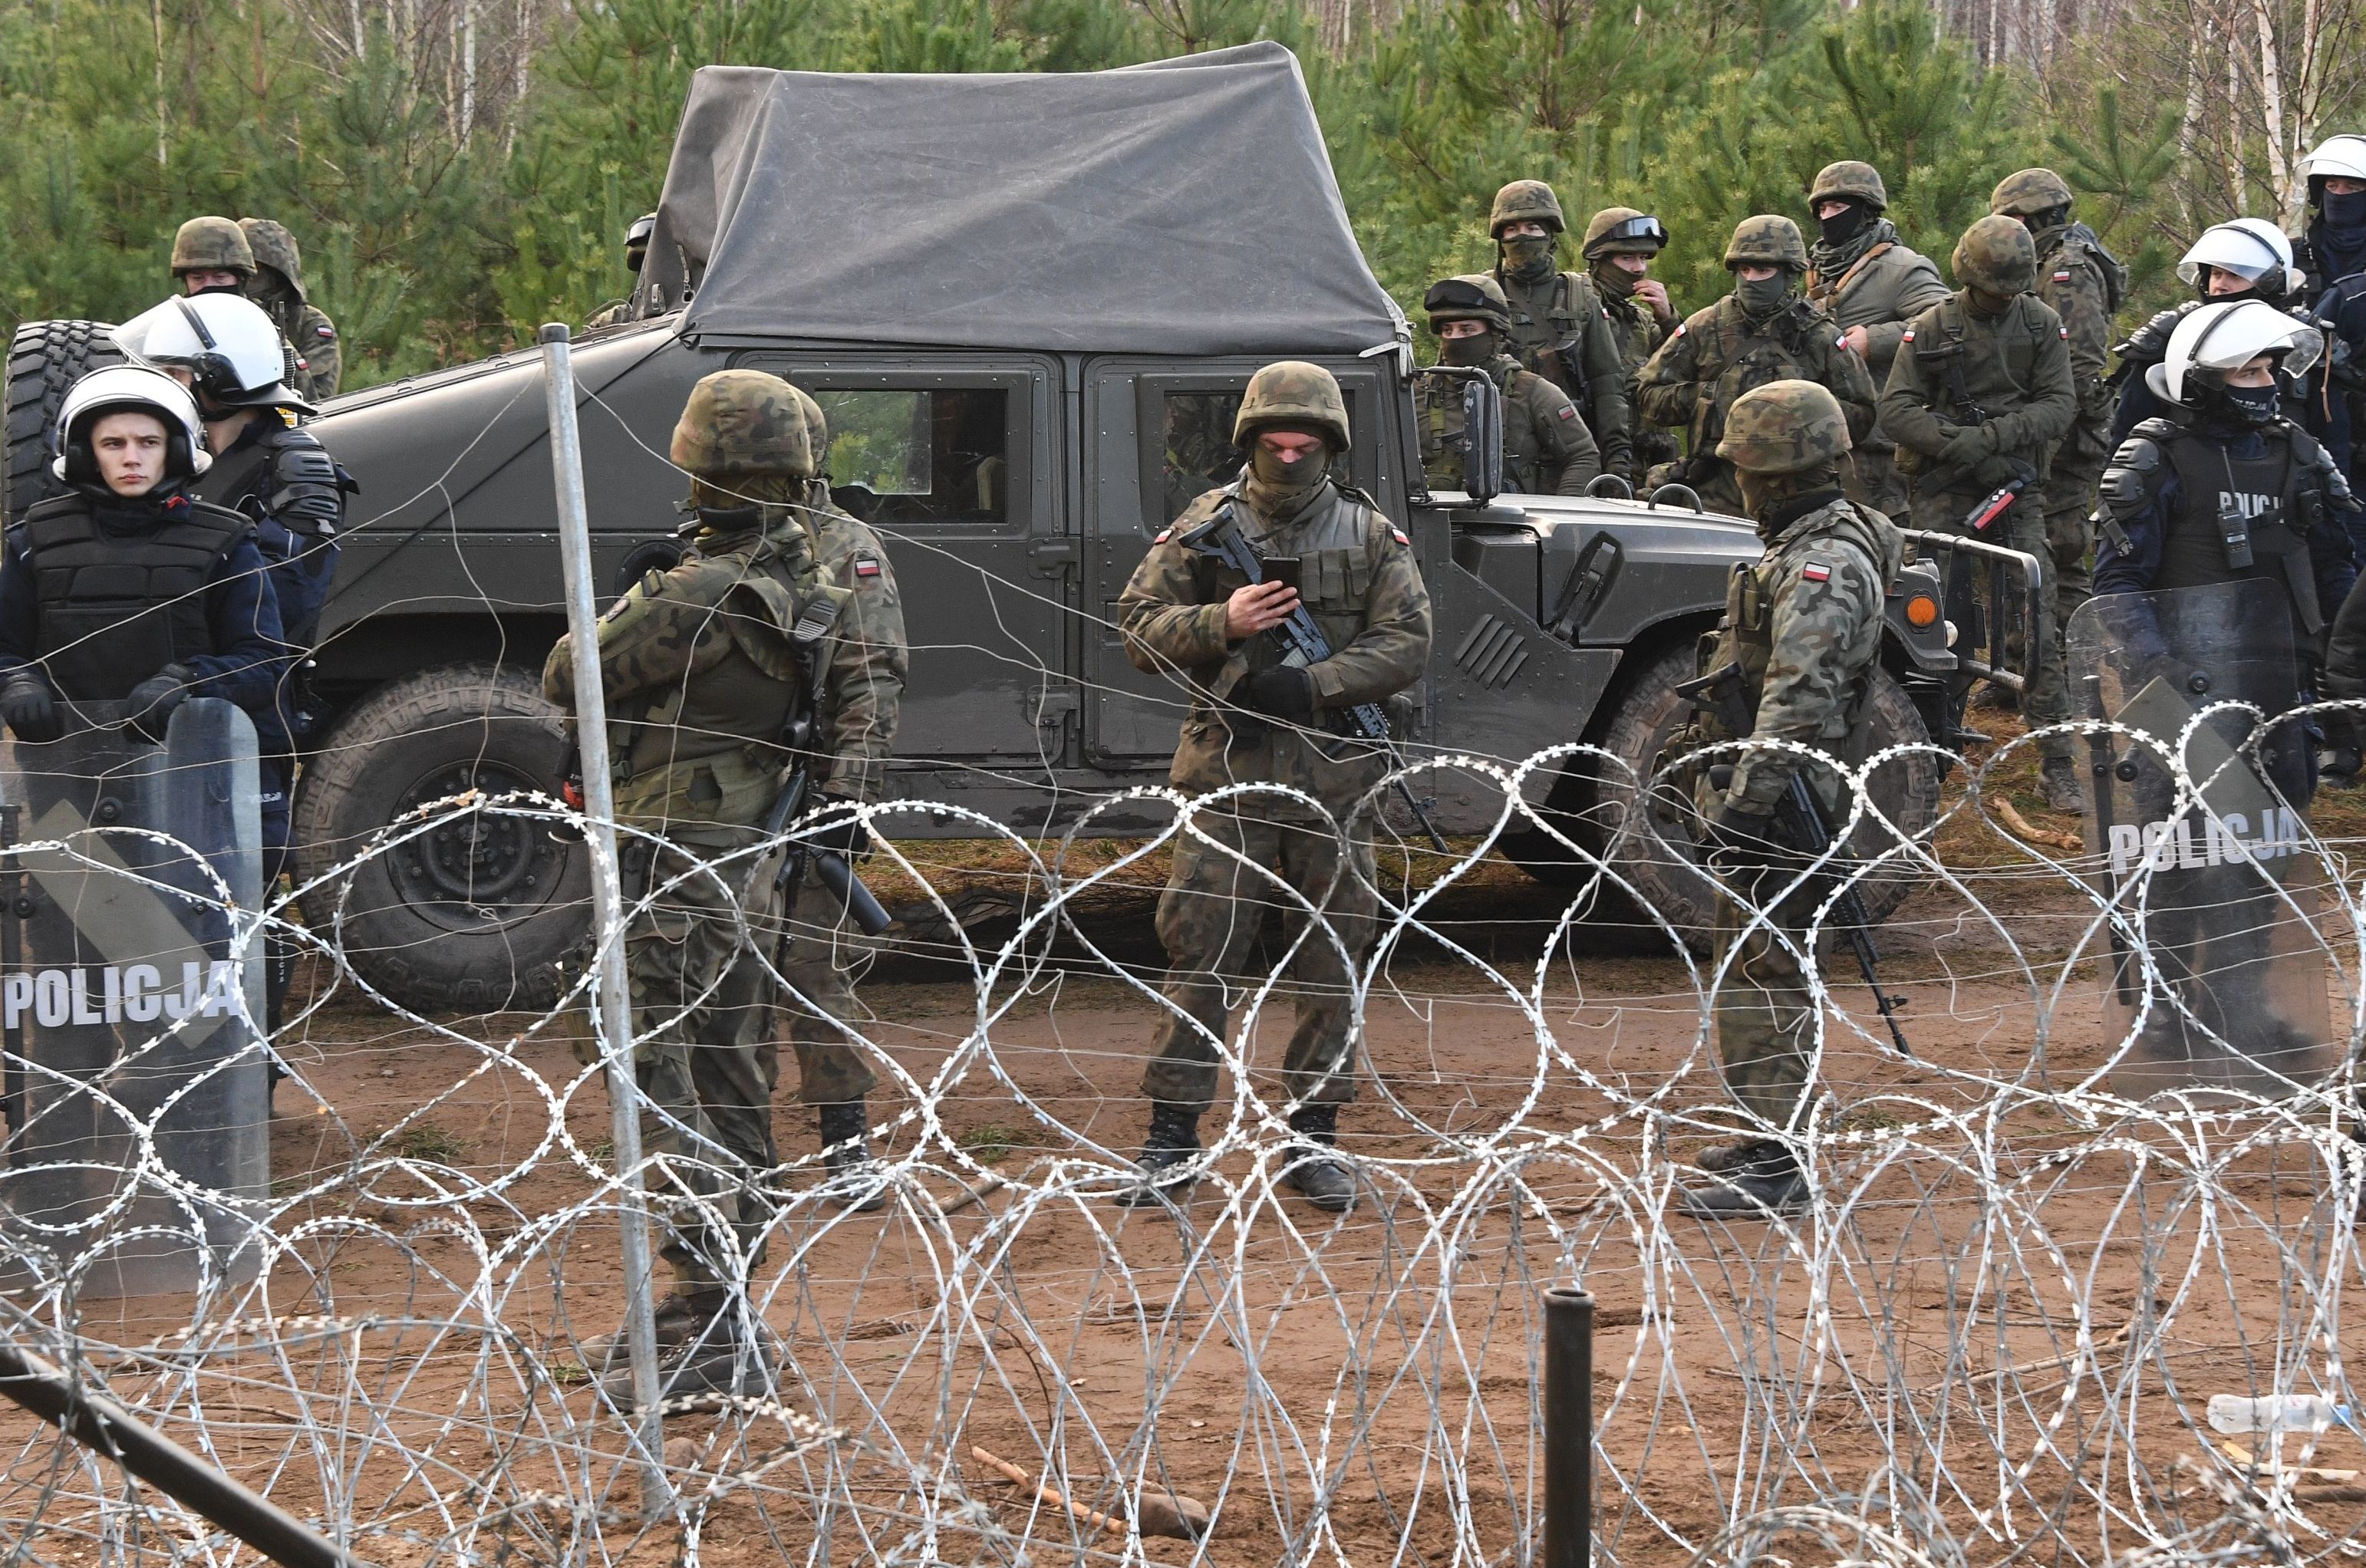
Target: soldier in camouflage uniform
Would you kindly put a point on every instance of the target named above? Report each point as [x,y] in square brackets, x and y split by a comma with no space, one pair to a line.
[1762,331]
[1619,246]
[2082,282]
[636,252]
[704,666]
[1979,394]
[1803,631]
[1255,718]
[1870,283]
[279,287]
[1547,449]
[1559,329]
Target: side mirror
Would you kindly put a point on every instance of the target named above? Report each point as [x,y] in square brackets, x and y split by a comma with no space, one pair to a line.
[1482,447]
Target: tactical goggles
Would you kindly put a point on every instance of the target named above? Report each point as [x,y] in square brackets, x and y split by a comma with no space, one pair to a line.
[1453,297]
[1629,231]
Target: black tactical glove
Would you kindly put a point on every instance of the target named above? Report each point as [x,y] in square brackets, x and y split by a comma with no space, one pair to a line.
[1284,692]
[838,830]
[30,708]
[149,709]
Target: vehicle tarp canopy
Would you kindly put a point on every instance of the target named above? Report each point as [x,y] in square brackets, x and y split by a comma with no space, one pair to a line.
[1185,207]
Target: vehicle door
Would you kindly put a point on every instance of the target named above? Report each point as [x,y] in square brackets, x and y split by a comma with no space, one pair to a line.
[955,459]
[1159,434]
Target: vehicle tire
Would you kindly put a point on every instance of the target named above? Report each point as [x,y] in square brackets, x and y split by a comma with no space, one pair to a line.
[44,359]
[1659,863]
[485,911]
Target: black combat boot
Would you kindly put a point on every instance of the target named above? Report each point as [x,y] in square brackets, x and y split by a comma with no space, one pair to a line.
[715,1351]
[1755,1180]
[1172,1142]
[853,1174]
[2059,783]
[681,1315]
[1315,1168]
[1995,698]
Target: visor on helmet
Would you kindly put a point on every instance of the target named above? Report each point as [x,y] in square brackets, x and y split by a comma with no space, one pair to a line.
[2218,338]
[2252,248]
[1629,231]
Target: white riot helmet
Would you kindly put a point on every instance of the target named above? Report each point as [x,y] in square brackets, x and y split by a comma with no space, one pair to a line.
[225,341]
[2252,248]
[2227,336]
[129,389]
[2342,157]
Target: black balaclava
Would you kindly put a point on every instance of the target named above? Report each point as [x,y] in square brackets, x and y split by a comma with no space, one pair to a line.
[1841,229]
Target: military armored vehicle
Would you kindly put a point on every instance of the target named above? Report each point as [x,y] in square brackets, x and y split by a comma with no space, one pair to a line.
[1028,305]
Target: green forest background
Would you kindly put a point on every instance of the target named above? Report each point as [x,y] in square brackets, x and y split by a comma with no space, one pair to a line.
[460,174]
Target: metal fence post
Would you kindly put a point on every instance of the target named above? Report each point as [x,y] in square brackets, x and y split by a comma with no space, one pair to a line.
[1569,1428]
[613,1003]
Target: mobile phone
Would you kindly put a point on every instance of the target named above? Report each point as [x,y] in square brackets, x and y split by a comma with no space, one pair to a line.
[1282,568]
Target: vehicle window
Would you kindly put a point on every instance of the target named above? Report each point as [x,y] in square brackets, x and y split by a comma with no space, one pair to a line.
[1197,452]
[903,457]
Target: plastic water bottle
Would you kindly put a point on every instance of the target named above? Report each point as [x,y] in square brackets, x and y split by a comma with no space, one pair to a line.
[2236,1414]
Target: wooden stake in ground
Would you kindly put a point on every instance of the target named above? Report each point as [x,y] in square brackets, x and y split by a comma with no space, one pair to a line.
[1161,1514]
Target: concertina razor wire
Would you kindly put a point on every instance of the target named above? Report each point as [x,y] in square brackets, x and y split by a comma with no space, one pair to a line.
[1993,1333]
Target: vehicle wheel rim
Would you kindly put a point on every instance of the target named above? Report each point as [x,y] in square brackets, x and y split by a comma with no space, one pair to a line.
[472,866]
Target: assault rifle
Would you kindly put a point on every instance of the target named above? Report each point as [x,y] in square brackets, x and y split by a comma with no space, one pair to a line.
[836,873]
[1799,817]
[1303,644]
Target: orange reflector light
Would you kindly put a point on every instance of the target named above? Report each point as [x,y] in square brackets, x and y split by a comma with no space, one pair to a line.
[1922,611]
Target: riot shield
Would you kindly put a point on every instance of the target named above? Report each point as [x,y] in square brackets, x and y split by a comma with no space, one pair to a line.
[136,1097]
[2197,836]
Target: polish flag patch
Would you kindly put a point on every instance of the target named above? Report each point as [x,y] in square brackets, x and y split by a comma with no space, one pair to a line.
[1679,333]
[1908,337]
[2065,334]
[1164,534]
[866,566]
[1399,536]
[1816,573]
[2061,278]
[1568,411]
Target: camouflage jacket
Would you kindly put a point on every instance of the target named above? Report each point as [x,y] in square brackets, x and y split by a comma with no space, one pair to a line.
[1547,448]
[319,359]
[1804,626]
[1719,353]
[1565,314]
[1358,579]
[2072,279]
[1880,288]
[863,696]
[701,668]
[2009,378]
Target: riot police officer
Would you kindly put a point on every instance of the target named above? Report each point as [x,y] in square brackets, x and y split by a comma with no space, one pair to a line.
[1619,246]
[1979,394]
[1762,331]
[1258,717]
[2226,487]
[127,589]
[2248,258]
[1558,327]
[1801,639]
[705,667]
[1547,449]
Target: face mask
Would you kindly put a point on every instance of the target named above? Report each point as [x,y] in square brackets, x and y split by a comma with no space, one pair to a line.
[2252,405]
[2346,214]
[1289,479]
[1529,258]
[1615,280]
[1476,349]
[1753,489]
[1761,296]
[1844,225]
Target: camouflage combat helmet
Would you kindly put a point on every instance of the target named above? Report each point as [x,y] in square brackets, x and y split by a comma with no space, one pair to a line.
[1849,180]
[1996,254]
[1785,427]
[1473,297]
[213,244]
[1290,391]
[1522,200]
[816,423]
[1622,231]
[742,423]
[274,247]
[2029,192]
[1767,240]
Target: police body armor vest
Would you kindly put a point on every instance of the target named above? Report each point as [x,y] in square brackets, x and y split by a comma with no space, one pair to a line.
[710,745]
[1746,637]
[2265,490]
[115,609]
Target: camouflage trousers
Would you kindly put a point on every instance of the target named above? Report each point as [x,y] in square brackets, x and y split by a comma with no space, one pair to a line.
[707,1014]
[1765,1012]
[2069,558]
[2046,700]
[1876,482]
[1209,919]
